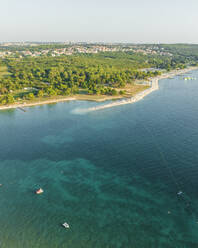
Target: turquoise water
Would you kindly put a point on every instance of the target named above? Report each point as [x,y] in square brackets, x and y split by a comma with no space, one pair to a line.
[113,174]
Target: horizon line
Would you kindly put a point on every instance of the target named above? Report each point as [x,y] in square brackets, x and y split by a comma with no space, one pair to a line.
[100,42]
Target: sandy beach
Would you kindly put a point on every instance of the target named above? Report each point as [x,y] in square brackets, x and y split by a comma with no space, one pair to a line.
[23,105]
[137,97]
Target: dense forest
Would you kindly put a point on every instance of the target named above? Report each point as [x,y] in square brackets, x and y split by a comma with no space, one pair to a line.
[103,73]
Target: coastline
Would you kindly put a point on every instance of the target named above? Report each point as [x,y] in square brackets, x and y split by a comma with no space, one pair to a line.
[128,100]
[141,95]
[23,105]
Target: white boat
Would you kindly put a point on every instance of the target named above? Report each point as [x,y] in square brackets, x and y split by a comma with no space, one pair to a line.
[39,191]
[65,225]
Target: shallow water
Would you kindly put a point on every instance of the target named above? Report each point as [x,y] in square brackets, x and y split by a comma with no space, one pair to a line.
[112,174]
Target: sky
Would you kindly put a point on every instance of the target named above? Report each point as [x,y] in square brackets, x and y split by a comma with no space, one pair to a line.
[134,21]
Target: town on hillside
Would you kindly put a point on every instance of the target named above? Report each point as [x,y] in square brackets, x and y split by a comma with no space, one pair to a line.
[25,49]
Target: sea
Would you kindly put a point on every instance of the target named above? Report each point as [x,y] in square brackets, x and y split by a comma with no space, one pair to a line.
[121,177]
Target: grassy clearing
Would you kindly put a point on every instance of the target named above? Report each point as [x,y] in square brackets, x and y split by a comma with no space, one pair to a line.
[22,93]
[133,89]
[130,90]
[4,71]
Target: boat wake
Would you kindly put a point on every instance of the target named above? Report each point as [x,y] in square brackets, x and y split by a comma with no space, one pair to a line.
[80,111]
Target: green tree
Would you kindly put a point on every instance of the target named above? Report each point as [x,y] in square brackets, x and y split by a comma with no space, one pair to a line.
[9,98]
[40,93]
[30,96]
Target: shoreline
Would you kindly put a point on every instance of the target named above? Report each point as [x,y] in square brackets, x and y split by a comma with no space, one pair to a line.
[141,95]
[23,105]
[128,100]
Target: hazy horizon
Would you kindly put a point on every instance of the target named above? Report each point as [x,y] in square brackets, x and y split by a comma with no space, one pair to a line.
[92,21]
[98,42]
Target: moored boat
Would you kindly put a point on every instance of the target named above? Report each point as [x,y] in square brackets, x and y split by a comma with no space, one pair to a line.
[65,225]
[39,191]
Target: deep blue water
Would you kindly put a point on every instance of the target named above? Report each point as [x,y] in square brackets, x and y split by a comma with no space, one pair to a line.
[112,174]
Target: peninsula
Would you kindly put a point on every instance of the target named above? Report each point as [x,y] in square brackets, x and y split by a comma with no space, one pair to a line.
[154,86]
